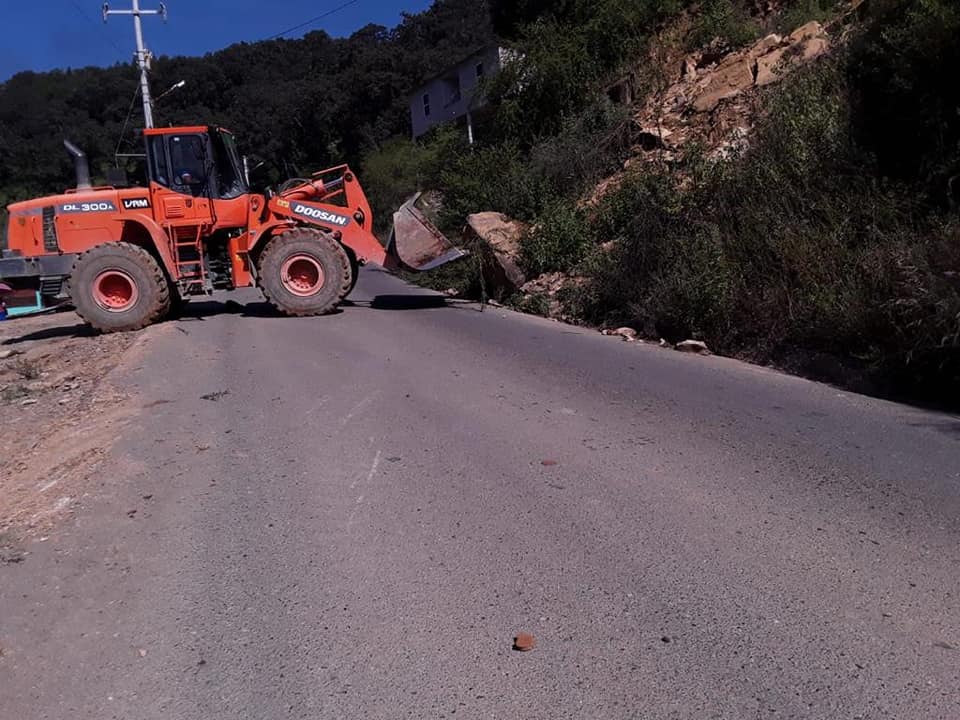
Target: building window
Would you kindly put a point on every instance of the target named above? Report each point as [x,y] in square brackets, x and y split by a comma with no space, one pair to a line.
[479,69]
[426,105]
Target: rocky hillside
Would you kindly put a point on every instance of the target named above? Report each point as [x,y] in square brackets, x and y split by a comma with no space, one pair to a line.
[713,101]
[785,189]
[709,99]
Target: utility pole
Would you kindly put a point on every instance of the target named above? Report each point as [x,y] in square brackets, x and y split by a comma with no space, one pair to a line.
[143,55]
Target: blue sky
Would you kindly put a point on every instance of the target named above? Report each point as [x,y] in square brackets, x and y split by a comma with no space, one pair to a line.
[47,34]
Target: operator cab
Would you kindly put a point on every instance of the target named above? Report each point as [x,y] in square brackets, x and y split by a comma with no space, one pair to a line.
[198,161]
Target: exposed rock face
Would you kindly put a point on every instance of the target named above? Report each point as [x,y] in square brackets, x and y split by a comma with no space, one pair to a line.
[710,99]
[777,63]
[713,96]
[767,67]
[811,30]
[502,235]
[732,77]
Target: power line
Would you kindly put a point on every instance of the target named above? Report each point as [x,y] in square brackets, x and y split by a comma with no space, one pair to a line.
[123,131]
[106,35]
[313,20]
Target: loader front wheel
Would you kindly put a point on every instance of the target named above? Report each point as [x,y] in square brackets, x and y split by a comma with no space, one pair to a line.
[118,286]
[304,272]
[354,272]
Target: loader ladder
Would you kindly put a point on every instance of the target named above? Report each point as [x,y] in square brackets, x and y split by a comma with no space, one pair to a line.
[186,243]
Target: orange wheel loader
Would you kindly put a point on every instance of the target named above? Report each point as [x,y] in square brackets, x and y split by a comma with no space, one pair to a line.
[124,256]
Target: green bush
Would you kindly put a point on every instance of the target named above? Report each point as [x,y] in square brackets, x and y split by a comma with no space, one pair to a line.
[799,12]
[535,304]
[589,146]
[566,50]
[548,82]
[493,178]
[905,71]
[400,167]
[558,241]
[725,20]
[658,252]
[798,246]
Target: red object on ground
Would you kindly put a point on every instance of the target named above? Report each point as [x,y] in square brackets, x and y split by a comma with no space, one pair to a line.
[524,642]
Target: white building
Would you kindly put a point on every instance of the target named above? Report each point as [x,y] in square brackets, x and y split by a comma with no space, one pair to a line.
[453,93]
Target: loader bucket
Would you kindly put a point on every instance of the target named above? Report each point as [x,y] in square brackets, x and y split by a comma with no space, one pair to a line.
[416,242]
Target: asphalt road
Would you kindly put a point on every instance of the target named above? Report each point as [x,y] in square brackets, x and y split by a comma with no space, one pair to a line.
[366,508]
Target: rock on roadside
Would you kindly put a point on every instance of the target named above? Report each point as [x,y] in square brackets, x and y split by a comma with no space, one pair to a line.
[502,235]
[628,334]
[697,347]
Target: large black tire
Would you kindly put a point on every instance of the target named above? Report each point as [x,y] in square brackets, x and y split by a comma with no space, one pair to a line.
[354,272]
[117,287]
[304,272]
[178,303]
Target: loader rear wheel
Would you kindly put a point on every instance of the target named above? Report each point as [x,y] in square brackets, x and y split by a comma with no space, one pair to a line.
[304,272]
[118,286]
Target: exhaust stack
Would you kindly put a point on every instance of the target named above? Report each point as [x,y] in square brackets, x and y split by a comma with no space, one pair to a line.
[80,162]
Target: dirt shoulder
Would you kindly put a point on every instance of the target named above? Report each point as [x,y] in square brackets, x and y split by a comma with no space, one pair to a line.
[59,415]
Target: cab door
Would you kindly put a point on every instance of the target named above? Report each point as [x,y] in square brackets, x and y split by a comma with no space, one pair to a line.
[180,169]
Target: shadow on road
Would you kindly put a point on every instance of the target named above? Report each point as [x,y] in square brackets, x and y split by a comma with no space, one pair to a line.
[402,302]
[947,426]
[200,310]
[61,331]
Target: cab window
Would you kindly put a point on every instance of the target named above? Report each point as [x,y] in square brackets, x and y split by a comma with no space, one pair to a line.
[229,171]
[188,164]
[157,154]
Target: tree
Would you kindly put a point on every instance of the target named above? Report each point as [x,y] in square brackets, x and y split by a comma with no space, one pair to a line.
[304,103]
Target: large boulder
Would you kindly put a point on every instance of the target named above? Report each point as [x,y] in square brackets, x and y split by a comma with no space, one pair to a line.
[502,236]
[762,47]
[769,66]
[697,347]
[805,44]
[732,77]
[814,47]
[811,30]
